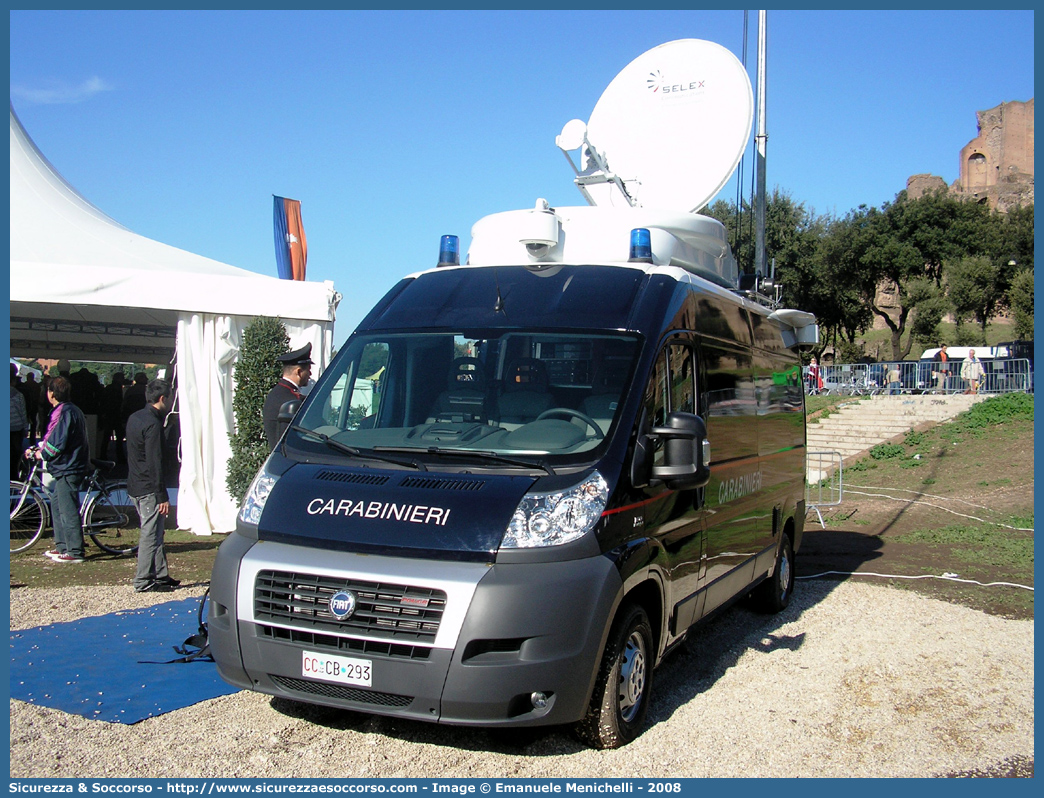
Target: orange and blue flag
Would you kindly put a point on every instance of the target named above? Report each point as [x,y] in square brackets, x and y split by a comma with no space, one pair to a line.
[290,244]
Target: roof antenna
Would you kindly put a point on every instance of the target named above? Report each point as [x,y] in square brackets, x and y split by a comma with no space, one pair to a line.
[498,306]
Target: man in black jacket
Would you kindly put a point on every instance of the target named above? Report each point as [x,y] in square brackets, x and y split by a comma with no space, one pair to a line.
[297,371]
[147,487]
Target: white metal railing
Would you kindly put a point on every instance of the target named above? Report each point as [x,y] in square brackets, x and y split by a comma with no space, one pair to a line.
[824,482]
[1001,375]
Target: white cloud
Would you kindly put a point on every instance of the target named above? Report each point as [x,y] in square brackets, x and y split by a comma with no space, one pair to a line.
[60,93]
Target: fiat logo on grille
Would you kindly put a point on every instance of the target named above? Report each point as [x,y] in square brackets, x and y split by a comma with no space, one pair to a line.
[342,604]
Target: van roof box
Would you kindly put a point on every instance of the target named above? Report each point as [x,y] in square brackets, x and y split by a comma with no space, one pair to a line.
[544,236]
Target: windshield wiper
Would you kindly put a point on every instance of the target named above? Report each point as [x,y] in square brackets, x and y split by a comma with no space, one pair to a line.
[482,455]
[353,451]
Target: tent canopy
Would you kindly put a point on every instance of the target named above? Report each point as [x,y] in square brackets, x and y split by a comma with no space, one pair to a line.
[84,287]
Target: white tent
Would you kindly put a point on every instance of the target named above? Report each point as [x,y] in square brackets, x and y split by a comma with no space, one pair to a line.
[84,287]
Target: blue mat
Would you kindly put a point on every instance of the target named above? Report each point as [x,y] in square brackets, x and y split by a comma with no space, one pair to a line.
[98,667]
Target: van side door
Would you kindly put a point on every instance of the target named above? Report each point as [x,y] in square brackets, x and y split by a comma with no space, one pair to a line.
[733,511]
[674,518]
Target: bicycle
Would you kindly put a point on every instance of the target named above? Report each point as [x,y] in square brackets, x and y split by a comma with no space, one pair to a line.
[106,511]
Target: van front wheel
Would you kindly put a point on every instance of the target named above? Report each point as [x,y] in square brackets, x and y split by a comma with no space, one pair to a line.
[773,595]
[621,694]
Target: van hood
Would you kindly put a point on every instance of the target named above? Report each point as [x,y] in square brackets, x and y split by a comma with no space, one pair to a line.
[437,515]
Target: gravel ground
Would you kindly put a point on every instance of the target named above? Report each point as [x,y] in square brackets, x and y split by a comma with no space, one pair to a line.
[853,679]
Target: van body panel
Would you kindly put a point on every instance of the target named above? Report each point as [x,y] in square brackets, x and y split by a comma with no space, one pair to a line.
[413,514]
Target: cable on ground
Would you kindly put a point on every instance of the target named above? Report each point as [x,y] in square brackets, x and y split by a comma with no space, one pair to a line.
[945,577]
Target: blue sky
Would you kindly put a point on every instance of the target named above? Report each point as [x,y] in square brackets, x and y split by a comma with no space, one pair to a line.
[393,128]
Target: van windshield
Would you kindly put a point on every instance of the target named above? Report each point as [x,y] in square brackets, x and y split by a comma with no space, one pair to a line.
[549,394]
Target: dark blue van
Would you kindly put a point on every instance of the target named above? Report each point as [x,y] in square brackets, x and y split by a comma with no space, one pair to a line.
[522,482]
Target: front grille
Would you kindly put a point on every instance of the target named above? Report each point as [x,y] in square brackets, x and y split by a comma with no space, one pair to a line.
[388,611]
[342,692]
[345,645]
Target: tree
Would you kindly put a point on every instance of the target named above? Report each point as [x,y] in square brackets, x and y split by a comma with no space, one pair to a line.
[972,288]
[931,305]
[256,371]
[1022,304]
[829,288]
[904,243]
[1014,251]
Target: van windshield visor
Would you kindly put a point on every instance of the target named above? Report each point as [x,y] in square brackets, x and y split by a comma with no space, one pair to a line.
[531,398]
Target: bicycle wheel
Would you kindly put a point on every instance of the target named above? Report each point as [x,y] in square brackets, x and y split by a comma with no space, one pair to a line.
[28,516]
[111,520]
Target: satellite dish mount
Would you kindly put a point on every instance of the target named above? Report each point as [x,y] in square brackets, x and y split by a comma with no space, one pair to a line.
[668,131]
[595,169]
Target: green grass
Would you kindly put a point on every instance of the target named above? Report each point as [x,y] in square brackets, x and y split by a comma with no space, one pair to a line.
[887,451]
[983,418]
[915,439]
[988,544]
[861,465]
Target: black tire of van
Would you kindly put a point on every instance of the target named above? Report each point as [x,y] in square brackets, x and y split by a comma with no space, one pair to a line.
[626,671]
[773,595]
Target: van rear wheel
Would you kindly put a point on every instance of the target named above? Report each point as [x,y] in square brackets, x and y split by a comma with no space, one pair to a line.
[621,695]
[773,595]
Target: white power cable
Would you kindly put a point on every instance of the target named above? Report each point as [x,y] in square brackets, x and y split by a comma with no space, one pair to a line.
[944,577]
[920,493]
[938,507]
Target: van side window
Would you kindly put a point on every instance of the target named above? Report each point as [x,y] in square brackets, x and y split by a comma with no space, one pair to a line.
[657,402]
[683,386]
[671,387]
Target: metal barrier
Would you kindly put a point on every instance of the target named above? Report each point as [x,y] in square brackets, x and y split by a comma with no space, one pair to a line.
[1005,375]
[824,482]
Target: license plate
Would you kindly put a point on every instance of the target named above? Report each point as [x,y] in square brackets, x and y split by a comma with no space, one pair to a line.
[342,670]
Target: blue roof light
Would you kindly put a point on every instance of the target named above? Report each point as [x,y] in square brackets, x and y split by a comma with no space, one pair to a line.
[641,246]
[449,251]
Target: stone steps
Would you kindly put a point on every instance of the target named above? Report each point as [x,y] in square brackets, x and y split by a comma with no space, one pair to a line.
[858,426]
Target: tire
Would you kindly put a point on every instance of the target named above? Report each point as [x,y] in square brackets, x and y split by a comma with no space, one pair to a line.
[773,595]
[621,694]
[28,516]
[111,520]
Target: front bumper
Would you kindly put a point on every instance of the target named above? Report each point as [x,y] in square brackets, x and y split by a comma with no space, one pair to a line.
[507,631]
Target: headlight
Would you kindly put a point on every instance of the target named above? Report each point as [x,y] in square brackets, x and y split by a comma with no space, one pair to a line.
[554,518]
[254,503]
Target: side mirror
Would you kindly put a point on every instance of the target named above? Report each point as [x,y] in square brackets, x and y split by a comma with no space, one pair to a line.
[686,452]
[288,410]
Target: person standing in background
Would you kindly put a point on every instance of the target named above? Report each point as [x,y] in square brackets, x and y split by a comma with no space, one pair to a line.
[19,422]
[815,377]
[894,386]
[111,426]
[972,371]
[147,487]
[31,392]
[66,454]
[942,369]
[297,371]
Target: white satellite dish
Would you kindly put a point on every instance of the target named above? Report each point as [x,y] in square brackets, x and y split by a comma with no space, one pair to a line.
[668,131]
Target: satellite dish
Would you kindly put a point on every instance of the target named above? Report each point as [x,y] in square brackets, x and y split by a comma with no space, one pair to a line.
[670,128]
